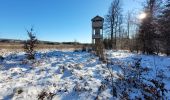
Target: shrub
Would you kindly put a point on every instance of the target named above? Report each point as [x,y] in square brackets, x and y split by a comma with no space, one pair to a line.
[1,58]
[83,49]
[45,95]
[29,45]
[134,79]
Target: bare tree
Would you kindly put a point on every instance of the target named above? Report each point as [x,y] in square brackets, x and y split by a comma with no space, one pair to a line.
[120,30]
[128,23]
[112,20]
[129,26]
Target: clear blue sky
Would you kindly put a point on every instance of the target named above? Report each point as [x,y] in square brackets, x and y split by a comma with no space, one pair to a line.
[53,20]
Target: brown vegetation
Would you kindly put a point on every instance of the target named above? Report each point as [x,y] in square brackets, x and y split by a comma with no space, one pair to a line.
[40,46]
[18,47]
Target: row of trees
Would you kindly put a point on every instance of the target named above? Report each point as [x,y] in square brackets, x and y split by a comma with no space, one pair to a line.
[113,24]
[152,34]
[118,27]
[164,22]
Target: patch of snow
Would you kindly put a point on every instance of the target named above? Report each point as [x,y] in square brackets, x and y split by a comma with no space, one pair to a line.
[70,75]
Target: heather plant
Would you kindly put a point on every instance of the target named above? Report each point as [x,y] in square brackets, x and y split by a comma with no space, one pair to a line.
[44,95]
[133,79]
[1,58]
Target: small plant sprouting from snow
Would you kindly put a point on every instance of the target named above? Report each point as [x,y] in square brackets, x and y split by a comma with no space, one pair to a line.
[29,45]
[44,95]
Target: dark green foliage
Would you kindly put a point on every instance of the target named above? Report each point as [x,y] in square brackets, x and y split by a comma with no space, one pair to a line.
[1,58]
[29,45]
[146,36]
[148,31]
[164,22]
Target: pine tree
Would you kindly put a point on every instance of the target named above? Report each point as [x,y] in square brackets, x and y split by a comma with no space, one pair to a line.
[30,45]
[148,30]
[164,22]
[146,36]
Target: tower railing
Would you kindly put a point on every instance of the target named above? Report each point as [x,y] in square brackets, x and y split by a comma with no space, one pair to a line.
[97,36]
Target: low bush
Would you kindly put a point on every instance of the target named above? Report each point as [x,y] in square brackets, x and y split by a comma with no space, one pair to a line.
[1,58]
[133,80]
[44,95]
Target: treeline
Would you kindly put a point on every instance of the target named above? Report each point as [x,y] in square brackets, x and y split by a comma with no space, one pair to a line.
[150,35]
[41,42]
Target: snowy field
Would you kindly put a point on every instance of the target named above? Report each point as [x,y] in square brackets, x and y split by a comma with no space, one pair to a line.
[69,75]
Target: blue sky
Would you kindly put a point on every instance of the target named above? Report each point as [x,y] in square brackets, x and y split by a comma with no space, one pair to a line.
[53,20]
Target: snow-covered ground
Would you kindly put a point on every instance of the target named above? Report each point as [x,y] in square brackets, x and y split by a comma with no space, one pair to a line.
[68,75]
